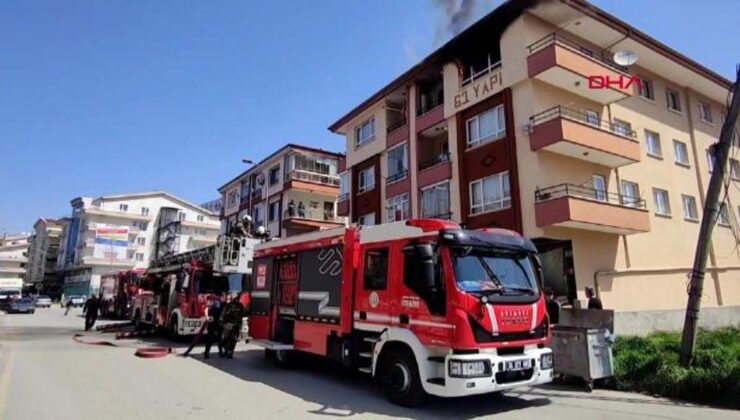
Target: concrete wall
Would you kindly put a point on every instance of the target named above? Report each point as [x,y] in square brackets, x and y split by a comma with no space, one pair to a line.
[645,322]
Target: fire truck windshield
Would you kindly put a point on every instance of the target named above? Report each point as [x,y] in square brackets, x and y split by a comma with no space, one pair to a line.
[488,271]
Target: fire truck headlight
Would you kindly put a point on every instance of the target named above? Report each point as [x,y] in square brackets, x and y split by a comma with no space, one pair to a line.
[469,368]
[546,361]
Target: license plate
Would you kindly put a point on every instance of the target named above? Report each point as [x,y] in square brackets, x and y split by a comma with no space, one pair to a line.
[515,365]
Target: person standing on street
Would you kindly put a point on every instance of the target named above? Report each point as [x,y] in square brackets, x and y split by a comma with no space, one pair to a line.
[593,301]
[69,306]
[91,308]
[552,305]
[213,316]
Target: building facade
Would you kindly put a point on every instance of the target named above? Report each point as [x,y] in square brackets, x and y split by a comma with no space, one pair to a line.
[13,261]
[524,121]
[43,252]
[123,232]
[292,191]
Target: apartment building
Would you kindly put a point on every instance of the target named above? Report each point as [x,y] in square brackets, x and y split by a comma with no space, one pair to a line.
[43,252]
[293,190]
[123,232]
[13,260]
[511,124]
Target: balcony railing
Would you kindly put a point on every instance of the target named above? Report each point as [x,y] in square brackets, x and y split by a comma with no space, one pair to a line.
[397,176]
[430,106]
[475,75]
[343,197]
[316,178]
[578,191]
[441,158]
[558,39]
[309,214]
[442,216]
[563,112]
[395,126]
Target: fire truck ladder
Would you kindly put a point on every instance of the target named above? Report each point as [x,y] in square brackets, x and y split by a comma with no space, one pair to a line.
[202,255]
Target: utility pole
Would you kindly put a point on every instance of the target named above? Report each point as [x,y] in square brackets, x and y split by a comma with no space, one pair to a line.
[711,208]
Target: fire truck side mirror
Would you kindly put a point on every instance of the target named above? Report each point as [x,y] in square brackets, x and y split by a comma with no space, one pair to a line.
[424,273]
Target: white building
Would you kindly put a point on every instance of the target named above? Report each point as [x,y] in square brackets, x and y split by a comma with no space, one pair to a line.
[13,260]
[42,251]
[123,232]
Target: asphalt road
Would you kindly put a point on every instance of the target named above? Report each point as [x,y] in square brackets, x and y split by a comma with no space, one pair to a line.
[44,374]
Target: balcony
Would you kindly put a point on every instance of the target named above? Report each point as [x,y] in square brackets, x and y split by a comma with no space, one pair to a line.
[577,207]
[434,170]
[575,134]
[312,182]
[430,116]
[343,205]
[118,214]
[397,133]
[309,219]
[567,65]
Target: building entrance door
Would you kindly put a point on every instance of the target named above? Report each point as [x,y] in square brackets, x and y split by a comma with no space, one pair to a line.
[558,267]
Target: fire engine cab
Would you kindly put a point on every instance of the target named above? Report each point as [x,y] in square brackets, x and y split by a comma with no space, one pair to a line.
[424,306]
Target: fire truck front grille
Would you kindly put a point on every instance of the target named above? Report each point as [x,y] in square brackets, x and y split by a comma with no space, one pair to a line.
[507,377]
[483,336]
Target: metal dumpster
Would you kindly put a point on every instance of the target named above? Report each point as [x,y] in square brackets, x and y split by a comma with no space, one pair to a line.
[582,352]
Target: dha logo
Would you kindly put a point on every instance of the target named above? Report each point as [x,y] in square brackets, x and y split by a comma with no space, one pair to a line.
[624,58]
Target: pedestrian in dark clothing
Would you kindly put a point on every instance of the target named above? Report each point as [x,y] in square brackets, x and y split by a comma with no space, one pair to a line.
[91,308]
[231,326]
[593,301]
[301,210]
[213,316]
[69,306]
[291,208]
[552,305]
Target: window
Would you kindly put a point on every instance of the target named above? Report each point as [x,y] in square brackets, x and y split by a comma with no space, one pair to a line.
[139,256]
[673,100]
[653,144]
[490,193]
[623,128]
[630,194]
[662,204]
[376,269]
[231,198]
[344,183]
[398,208]
[646,91]
[366,220]
[435,202]
[181,216]
[735,169]
[274,212]
[681,152]
[200,218]
[592,117]
[723,216]
[486,127]
[397,163]
[274,175]
[141,241]
[365,132]
[366,179]
[257,216]
[710,159]
[123,207]
[599,187]
[705,112]
[145,211]
[689,207]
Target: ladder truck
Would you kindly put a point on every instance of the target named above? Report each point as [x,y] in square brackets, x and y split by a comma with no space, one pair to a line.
[116,291]
[176,289]
[423,306]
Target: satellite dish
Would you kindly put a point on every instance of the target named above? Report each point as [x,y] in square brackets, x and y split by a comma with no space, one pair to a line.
[625,57]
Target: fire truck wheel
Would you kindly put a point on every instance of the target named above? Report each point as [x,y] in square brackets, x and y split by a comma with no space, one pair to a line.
[399,378]
[284,359]
[173,327]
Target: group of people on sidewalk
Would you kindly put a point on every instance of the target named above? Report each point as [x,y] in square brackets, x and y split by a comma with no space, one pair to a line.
[224,323]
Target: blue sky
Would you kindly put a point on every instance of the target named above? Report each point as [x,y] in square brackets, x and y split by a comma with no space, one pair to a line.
[103,97]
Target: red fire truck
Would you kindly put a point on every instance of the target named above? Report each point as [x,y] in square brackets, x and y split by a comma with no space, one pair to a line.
[424,306]
[116,291]
[176,289]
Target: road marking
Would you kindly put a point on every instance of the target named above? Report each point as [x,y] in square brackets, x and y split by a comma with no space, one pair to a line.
[5,380]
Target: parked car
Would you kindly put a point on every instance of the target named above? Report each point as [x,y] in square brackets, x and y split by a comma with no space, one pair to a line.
[43,301]
[22,306]
[77,301]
